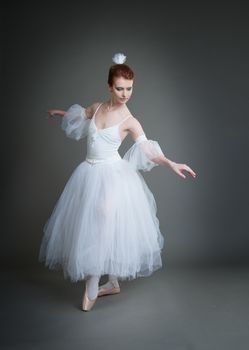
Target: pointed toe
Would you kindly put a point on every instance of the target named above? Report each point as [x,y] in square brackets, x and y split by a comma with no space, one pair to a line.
[87,304]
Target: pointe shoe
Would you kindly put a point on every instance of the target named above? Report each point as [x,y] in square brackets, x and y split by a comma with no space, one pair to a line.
[87,303]
[108,291]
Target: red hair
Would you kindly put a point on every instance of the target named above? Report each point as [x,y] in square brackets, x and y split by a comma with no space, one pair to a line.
[120,70]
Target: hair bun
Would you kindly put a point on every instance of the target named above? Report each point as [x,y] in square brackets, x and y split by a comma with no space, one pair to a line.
[119,58]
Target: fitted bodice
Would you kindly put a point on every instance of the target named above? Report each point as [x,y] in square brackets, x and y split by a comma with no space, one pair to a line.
[103,144]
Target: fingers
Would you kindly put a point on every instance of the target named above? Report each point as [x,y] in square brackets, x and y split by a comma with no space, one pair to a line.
[47,115]
[180,173]
[187,168]
[181,167]
[50,113]
[192,172]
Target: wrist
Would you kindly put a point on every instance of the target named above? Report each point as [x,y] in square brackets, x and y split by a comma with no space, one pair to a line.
[170,163]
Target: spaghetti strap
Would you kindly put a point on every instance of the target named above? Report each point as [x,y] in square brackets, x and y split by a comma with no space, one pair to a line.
[97,109]
[128,116]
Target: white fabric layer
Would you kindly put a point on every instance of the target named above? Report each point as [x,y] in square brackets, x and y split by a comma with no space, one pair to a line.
[75,122]
[142,153]
[104,221]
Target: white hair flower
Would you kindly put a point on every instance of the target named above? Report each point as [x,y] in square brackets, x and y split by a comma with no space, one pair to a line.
[119,58]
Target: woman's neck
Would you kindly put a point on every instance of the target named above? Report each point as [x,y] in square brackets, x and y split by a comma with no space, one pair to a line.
[112,106]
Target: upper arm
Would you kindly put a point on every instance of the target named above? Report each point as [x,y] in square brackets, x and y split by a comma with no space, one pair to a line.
[91,109]
[134,128]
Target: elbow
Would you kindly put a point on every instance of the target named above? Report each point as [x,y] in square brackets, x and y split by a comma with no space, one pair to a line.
[159,160]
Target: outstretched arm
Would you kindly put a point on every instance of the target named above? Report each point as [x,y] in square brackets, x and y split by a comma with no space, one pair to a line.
[152,151]
[75,120]
[53,112]
[88,111]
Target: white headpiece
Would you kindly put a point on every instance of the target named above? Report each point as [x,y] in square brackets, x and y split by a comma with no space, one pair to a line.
[119,58]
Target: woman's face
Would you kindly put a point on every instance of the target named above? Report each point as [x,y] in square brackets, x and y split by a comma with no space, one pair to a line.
[121,90]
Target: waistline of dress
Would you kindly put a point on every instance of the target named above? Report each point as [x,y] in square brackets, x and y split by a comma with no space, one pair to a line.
[103,160]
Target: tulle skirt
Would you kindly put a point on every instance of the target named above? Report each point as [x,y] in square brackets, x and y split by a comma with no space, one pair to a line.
[104,222]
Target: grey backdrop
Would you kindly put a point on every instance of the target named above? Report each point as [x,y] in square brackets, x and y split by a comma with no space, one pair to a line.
[190,94]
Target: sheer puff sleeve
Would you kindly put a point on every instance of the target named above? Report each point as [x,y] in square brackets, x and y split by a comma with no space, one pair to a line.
[141,154]
[75,122]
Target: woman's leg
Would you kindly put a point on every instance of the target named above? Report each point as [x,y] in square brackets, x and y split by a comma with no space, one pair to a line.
[92,284]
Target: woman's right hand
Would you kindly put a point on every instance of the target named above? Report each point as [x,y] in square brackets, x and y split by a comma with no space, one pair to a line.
[52,112]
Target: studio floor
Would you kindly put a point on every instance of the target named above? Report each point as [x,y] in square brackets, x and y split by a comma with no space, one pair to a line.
[176,308]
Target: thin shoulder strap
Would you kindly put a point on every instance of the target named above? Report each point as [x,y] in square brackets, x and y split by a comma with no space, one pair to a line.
[97,109]
[128,116]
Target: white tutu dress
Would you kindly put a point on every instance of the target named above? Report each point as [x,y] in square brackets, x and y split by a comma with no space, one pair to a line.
[104,221]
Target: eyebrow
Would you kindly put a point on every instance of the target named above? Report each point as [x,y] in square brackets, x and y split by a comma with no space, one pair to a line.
[122,87]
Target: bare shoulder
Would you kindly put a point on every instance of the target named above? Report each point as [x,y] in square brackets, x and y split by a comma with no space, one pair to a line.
[90,110]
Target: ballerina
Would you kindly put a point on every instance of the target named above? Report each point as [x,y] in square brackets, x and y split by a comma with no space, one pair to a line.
[105,221]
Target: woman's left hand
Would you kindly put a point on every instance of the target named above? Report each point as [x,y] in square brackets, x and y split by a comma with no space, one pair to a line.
[178,168]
